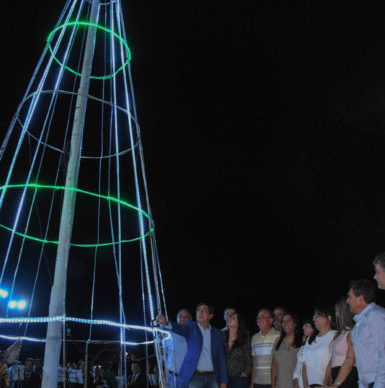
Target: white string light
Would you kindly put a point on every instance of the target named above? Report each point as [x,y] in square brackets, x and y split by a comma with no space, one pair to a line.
[101,322]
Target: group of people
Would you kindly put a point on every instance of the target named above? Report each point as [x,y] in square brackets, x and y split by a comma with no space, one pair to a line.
[100,374]
[341,348]
[26,375]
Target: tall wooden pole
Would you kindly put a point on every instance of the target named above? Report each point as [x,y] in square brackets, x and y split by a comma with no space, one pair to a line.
[58,292]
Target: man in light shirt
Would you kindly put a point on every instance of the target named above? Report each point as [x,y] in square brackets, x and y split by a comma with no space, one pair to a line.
[368,335]
[262,345]
[176,349]
[379,268]
[205,364]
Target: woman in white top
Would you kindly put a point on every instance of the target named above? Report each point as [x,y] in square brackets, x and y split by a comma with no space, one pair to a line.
[308,331]
[341,371]
[316,354]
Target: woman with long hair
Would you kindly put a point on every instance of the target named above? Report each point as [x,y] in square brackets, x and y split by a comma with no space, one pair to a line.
[285,352]
[316,354]
[341,371]
[238,352]
[309,332]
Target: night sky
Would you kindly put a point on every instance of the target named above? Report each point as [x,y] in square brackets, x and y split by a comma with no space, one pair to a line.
[263,127]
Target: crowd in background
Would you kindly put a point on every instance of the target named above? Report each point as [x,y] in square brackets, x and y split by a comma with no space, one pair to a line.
[101,374]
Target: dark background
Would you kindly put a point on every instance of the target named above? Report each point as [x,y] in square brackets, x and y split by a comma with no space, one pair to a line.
[263,125]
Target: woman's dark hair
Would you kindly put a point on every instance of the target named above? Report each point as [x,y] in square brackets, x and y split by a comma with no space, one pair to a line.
[325,311]
[315,331]
[242,334]
[297,332]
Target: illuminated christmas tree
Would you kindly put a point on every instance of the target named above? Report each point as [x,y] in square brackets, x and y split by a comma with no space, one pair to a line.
[74,197]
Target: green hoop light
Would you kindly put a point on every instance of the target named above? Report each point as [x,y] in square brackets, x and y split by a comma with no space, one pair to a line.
[75,189]
[99,27]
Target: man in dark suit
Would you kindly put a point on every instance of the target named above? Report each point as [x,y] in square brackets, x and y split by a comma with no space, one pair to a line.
[204,365]
[137,379]
[31,378]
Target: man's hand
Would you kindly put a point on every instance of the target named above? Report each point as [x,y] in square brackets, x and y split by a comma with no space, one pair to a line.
[161,320]
[223,385]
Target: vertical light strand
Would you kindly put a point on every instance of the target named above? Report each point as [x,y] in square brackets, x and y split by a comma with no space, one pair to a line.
[137,188]
[98,212]
[144,177]
[157,339]
[141,155]
[143,242]
[110,151]
[114,97]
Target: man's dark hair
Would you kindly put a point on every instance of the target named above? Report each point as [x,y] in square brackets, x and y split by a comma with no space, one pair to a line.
[211,309]
[380,260]
[364,287]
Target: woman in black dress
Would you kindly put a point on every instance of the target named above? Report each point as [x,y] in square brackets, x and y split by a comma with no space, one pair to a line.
[238,352]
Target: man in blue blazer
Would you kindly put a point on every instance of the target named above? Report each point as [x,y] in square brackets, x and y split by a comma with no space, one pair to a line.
[204,365]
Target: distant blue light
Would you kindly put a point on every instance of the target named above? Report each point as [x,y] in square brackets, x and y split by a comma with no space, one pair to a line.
[3,293]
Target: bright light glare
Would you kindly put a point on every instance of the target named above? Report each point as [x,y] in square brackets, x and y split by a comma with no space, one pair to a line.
[12,304]
[21,304]
[3,293]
